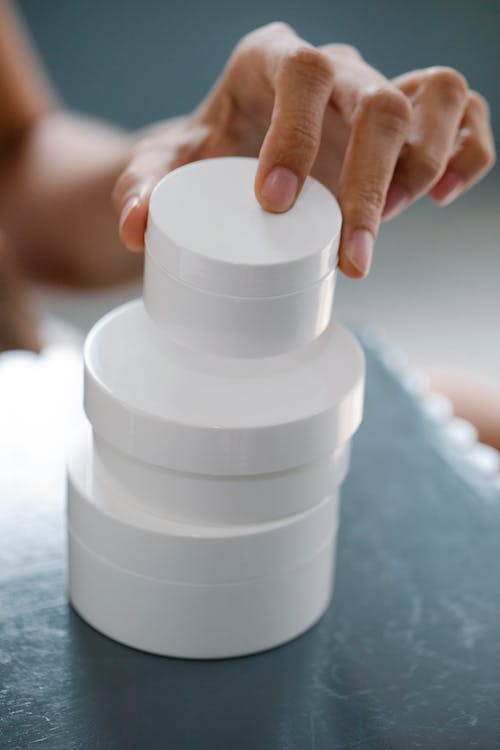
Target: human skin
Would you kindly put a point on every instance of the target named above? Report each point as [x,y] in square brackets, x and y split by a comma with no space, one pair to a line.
[378,144]
[57,172]
[18,328]
[474,399]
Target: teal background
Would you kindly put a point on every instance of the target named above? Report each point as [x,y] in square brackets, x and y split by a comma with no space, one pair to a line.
[135,62]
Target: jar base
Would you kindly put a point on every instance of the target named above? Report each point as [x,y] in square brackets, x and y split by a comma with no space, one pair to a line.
[223,609]
[198,622]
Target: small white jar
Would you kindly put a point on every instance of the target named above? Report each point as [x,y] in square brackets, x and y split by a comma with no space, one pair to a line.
[203,496]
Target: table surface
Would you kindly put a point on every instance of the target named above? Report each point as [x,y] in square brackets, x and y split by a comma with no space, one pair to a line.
[408,655]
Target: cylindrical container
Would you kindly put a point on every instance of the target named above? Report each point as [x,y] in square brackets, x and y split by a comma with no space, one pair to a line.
[192,411]
[199,591]
[203,495]
[230,278]
[222,499]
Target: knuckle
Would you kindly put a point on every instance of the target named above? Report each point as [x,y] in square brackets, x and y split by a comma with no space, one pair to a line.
[342,50]
[482,153]
[479,104]
[277,28]
[486,155]
[450,84]
[347,50]
[310,65]
[301,137]
[256,37]
[424,166]
[368,201]
[390,106]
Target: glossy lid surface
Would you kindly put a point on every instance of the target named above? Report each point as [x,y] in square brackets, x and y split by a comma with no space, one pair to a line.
[206,228]
[193,411]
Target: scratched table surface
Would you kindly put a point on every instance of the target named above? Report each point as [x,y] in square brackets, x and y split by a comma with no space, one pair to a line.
[407,656]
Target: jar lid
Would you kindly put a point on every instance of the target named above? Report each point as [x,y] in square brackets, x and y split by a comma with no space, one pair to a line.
[147,544]
[206,228]
[192,411]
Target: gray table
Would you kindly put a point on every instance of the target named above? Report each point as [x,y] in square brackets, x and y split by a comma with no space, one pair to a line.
[408,656]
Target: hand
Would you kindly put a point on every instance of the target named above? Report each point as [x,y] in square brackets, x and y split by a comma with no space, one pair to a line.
[377,144]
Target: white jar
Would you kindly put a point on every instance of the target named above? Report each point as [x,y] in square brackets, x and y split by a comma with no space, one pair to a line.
[203,498]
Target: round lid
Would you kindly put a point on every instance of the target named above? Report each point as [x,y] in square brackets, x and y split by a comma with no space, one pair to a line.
[119,530]
[192,411]
[207,228]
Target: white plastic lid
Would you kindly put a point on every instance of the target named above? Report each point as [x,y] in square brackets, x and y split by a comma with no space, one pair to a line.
[192,411]
[203,499]
[148,544]
[206,228]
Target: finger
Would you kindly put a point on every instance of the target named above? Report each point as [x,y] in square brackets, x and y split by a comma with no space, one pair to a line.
[132,192]
[339,112]
[378,133]
[302,78]
[379,116]
[155,156]
[474,153]
[438,97]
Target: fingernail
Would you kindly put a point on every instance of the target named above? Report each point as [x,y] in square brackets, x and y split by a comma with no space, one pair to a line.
[360,250]
[280,188]
[448,188]
[396,200]
[127,209]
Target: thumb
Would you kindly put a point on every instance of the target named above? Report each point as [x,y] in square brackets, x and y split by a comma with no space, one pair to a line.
[164,148]
[132,192]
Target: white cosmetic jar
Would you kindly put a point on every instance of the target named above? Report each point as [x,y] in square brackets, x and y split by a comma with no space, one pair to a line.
[197,591]
[225,276]
[203,498]
[194,411]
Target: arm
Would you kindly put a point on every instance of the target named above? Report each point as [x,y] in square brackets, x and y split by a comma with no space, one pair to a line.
[377,144]
[56,176]
[25,94]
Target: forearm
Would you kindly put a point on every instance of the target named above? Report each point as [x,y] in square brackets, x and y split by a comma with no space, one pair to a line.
[55,201]
[25,92]
[56,175]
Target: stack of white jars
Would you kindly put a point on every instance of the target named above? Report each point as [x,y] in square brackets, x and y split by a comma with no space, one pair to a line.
[203,490]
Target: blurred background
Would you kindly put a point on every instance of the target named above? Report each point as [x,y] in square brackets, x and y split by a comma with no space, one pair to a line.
[435,285]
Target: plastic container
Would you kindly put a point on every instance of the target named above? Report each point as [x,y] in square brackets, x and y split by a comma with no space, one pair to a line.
[223,499]
[203,491]
[224,276]
[190,590]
